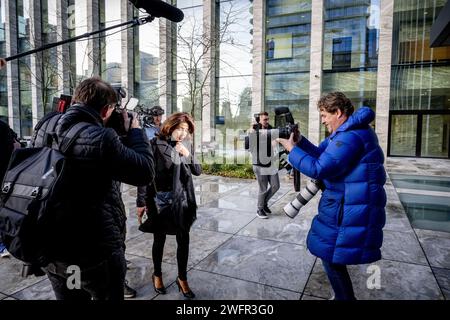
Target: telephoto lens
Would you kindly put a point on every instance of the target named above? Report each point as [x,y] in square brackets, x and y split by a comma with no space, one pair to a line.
[303,197]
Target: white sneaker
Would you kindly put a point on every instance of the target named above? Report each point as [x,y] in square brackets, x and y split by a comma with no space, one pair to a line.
[5,254]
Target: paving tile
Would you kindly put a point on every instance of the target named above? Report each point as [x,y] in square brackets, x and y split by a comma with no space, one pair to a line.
[140,245]
[398,281]
[280,228]
[282,265]
[202,243]
[402,246]
[11,278]
[307,297]
[209,286]
[139,276]
[396,218]
[40,291]
[222,220]
[234,202]
[437,249]
[443,279]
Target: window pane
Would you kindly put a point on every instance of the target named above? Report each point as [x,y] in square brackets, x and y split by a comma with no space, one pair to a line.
[420,78]
[351,32]
[289,90]
[287,57]
[147,64]
[435,135]
[49,57]
[235,55]
[360,87]
[418,87]
[3,81]
[190,73]
[111,43]
[188,3]
[81,53]
[23,24]
[288,35]
[411,36]
[403,135]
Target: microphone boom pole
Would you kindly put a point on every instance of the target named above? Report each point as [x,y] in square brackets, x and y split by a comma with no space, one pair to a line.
[134,22]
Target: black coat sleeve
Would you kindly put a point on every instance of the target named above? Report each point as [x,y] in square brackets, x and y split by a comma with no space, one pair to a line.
[141,196]
[132,164]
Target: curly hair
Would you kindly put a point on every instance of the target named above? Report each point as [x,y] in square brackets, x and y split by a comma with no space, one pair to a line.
[334,101]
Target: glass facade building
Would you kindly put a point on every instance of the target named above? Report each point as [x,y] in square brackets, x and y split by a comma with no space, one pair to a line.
[420,87]
[229,59]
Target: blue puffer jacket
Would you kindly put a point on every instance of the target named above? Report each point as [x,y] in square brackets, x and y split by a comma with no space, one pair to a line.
[348,227]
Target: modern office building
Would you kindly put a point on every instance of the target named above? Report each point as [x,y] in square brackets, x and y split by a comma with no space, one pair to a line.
[231,58]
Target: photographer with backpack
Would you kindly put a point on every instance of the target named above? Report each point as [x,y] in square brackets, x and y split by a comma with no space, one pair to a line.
[8,142]
[87,221]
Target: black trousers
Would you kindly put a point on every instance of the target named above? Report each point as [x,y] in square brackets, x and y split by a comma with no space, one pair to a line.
[102,281]
[159,240]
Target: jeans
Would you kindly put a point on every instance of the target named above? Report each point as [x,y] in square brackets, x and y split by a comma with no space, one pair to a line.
[2,247]
[265,193]
[102,281]
[340,280]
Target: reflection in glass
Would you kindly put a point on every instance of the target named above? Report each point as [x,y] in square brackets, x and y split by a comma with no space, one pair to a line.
[403,135]
[49,58]
[146,59]
[360,87]
[80,55]
[351,32]
[289,90]
[23,41]
[111,46]
[188,3]
[288,39]
[418,87]
[288,35]
[435,136]
[420,75]
[189,53]
[411,36]
[3,80]
[233,74]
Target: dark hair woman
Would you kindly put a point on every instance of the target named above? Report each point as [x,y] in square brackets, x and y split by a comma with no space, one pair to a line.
[170,200]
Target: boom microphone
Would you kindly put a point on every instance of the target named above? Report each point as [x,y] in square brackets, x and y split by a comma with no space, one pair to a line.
[158,8]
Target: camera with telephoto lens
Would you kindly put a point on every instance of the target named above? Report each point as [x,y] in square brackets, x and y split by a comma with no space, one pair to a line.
[284,127]
[284,124]
[146,115]
[302,198]
[116,121]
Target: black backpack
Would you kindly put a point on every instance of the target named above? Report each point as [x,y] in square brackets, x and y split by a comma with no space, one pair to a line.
[28,193]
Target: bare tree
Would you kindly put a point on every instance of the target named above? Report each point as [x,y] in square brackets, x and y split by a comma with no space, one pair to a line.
[194,46]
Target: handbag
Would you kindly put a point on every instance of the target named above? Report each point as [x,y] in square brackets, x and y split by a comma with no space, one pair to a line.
[163,205]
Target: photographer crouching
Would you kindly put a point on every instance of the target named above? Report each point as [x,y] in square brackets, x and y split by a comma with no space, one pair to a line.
[348,228]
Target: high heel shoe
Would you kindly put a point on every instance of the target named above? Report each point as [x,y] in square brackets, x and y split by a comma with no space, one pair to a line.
[188,294]
[161,290]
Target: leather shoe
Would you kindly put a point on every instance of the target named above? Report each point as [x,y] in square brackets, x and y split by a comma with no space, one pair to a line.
[161,290]
[188,294]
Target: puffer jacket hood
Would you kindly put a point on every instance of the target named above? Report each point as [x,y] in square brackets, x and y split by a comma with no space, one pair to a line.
[348,227]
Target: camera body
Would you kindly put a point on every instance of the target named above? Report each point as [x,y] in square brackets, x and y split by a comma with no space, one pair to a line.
[285,124]
[116,121]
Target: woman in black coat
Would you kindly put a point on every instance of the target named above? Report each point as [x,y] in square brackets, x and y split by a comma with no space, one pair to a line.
[170,200]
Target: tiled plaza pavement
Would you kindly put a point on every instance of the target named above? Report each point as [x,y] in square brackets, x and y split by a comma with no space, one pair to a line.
[235,255]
